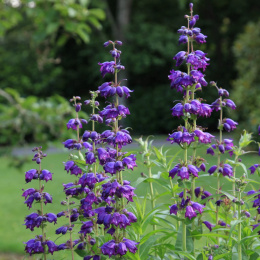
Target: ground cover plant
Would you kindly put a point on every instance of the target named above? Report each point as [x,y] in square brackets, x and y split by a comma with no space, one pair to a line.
[178,218]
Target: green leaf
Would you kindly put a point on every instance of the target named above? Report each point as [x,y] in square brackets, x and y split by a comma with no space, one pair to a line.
[146,247]
[81,253]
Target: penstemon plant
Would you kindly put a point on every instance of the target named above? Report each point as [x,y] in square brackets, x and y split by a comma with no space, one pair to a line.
[101,222]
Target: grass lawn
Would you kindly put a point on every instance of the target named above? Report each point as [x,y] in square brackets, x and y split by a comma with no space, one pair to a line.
[13,210]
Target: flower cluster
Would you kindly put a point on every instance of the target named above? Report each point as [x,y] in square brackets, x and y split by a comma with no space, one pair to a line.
[39,244]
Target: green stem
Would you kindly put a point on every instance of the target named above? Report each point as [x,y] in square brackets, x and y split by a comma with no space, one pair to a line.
[234,184]
[184,246]
[71,242]
[151,187]
[43,232]
[219,160]
[239,227]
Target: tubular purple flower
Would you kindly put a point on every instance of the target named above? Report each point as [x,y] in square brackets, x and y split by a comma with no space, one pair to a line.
[51,246]
[46,175]
[30,175]
[190,213]
[208,225]
[183,39]
[212,169]
[197,206]
[200,38]
[179,57]
[183,173]
[177,110]
[230,103]
[174,209]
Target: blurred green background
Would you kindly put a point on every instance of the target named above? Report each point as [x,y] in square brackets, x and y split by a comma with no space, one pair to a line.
[50,49]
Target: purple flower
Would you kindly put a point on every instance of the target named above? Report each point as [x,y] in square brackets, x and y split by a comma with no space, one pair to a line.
[51,246]
[197,191]
[210,151]
[51,218]
[96,118]
[177,110]
[183,173]
[74,124]
[131,245]
[200,38]
[129,161]
[31,174]
[190,213]
[90,158]
[179,57]
[251,192]
[229,124]
[230,103]
[197,206]
[73,168]
[109,248]
[86,228]
[88,179]
[203,137]
[253,168]
[48,198]
[193,170]
[203,167]
[34,246]
[46,175]
[62,230]
[212,169]
[198,60]
[174,209]
[28,192]
[183,39]
[223,224]
[31,221]
[107,67]
[208,225]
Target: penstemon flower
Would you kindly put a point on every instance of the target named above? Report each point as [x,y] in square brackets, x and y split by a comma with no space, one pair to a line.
[40,244]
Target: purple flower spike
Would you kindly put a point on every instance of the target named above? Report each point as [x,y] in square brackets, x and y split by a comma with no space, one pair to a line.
[208,225]
[190,213]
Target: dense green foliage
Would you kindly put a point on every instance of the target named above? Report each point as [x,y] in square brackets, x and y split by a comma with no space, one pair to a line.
[246,88]
[32,119]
